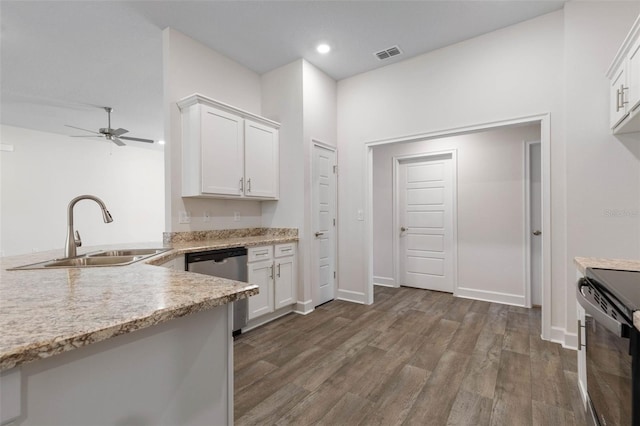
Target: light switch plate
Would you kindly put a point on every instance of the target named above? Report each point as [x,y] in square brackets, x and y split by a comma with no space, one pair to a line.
[360,214]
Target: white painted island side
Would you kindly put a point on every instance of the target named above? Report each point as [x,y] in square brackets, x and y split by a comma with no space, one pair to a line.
[177,372]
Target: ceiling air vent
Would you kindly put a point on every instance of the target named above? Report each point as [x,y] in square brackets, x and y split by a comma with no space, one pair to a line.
[388,53]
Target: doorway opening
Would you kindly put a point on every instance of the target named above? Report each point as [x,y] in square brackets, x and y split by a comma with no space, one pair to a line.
[501,210]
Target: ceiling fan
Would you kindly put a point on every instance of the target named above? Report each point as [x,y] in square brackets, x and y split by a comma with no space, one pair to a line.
[114,135]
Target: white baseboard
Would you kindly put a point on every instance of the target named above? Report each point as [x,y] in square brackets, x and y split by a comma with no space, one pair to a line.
[351,296]
[557,335]
[303,308]
[570,341]
[384,281]
[490,296]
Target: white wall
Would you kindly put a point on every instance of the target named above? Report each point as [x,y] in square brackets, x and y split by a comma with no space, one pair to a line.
[191,67]
[45,171]
[513,72]
[490,201]
[303,100]
[601,169]
[320,115]
[555,63]
[282,99]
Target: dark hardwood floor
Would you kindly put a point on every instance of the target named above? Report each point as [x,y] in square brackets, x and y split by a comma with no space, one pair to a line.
[414,357]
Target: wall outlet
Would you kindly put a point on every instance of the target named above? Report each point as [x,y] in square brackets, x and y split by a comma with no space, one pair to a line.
[236,216]
[360,214]
[184,217]
[206,217]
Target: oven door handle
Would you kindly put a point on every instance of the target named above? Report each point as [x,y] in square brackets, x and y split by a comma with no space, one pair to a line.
[614,326]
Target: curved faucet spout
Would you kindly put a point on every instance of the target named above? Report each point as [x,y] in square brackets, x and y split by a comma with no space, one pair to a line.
[74,241]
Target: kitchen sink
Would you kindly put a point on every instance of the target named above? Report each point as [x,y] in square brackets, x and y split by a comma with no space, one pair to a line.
[78,262]
[116,257]
[127,252]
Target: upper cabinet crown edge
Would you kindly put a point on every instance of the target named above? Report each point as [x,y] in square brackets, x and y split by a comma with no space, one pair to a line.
[197,98]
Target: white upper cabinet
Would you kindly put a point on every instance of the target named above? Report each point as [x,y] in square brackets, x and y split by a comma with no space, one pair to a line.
[624,78]
[227,152]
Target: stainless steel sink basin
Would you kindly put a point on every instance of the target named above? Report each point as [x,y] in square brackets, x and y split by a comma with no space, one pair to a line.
[116,257]
[127,252]
[78,262]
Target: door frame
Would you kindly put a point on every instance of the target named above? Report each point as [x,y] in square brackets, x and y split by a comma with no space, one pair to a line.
[528,294]
[395,216]
[544,120]
[310,234]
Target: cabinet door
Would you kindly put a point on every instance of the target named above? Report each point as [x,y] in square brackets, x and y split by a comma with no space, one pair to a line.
[261,160]
[285,282]
[617,96]
[221,152]
[261,274]
[633,77]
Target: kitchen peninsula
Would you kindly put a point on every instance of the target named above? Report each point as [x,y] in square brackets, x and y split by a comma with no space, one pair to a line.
[134,344]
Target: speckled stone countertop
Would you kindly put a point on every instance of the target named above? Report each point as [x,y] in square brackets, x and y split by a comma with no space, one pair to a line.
[47,312]
[627,265]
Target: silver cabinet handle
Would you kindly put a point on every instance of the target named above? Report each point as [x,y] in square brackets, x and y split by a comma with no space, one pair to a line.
[319,234]
[241,184]
[537,232]
[249,185]
[271,276]
[580,327]
[403,229]
[620,102]
[278,270]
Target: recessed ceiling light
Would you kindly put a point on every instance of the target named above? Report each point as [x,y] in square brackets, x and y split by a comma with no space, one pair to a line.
[323,48]
[160,142]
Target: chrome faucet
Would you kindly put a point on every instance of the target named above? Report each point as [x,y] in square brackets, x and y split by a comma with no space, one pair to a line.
[74,241]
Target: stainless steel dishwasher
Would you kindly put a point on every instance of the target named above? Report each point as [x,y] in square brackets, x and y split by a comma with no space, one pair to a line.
[225,263]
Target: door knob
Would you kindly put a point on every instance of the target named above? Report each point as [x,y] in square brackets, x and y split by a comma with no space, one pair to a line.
[537,232]
[403,229]
[319,234]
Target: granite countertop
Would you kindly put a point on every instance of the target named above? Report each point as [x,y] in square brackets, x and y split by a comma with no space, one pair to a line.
[47,312]
[628,265]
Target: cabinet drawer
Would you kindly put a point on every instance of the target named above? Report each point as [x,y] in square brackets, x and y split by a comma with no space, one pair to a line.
[288,249]
[256,254]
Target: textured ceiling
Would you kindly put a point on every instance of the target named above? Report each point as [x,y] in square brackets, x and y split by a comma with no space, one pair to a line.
[63,60]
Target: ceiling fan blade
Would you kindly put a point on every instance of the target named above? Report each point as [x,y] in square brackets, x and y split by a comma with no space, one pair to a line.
[117,141]
[87,136]
[80,128]
[137,139]
[119,132]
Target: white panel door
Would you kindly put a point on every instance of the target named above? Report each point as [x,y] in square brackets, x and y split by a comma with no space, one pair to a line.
[535,215]
[324,225]
[261,160]
[426,223]
[222,152]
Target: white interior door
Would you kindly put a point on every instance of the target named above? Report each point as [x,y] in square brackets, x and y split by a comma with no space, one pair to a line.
[535,215]
[425,207]
[324,224]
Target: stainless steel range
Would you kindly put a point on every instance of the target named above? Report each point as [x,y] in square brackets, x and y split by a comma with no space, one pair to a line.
[610,297]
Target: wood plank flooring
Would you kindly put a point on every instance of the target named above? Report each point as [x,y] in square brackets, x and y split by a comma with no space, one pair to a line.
[414,357]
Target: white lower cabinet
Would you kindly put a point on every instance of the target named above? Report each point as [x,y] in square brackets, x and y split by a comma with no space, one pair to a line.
[273,270]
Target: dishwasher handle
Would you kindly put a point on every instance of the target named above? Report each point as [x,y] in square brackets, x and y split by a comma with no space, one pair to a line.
[590,305]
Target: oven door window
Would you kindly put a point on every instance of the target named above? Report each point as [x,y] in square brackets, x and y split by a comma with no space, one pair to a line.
[608,374]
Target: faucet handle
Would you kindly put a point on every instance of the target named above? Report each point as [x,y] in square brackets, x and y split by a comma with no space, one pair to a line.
[78,240]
